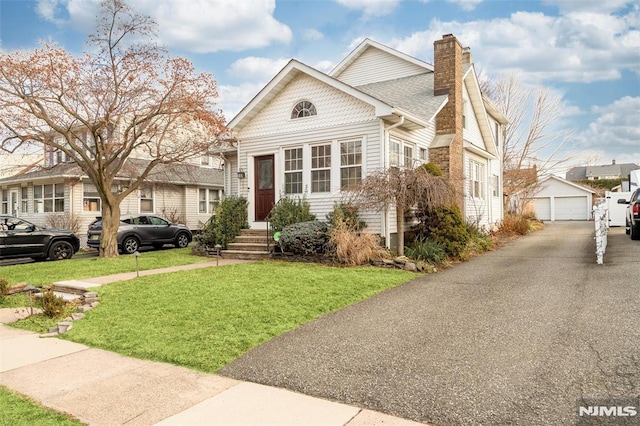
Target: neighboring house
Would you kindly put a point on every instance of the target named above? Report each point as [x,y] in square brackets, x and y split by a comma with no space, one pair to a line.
[607,171]
[185,192]
[311,134]
[13,164]
[559,199]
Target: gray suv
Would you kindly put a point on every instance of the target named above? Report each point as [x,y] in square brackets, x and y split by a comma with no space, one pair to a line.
[145,230]
[20,238]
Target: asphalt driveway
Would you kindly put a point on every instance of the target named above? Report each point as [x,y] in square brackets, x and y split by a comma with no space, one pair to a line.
[522,335]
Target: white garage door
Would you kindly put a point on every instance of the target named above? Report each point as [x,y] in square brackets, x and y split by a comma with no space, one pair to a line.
[543,208]
[571,208]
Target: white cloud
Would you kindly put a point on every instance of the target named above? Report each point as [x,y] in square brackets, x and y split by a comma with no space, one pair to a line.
[577,47]
[233,98]
[253,68]
[324,66]
[615,131]
[604,6]
[371,8]
[467,5]
[200,26]
[312,34]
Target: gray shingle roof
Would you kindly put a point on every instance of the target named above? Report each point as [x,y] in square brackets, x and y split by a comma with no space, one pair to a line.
[179,174]
[583,172]
[412,94]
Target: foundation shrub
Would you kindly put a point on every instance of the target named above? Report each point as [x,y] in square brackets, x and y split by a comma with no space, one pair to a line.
[346,214]
[305,238]
[226,224]
[444,225]
[289,211]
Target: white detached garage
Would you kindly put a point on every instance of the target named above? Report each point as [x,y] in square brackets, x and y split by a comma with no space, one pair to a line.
[559,199]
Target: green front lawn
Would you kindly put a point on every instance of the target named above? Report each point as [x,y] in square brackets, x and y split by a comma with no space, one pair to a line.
[17,411]
[47,272]
[203,319]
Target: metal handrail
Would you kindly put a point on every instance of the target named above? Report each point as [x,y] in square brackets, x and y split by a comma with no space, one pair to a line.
[268,220]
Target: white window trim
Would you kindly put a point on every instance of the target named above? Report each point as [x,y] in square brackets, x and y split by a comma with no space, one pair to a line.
[325,168]
[86,199]
[362,158]
[477,169]
[54,198]
[401,157]
[153,200]
[208,208]
[300,170]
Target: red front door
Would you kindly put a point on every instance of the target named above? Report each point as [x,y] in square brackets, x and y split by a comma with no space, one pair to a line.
[265,187]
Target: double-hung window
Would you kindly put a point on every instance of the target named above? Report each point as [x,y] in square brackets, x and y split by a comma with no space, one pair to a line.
[321,168]
[24,198]
[400,153]
[146,199]
[48,198]
[477,179]
[350,163]
[5,201]
[208,200]
[90,198]
[293,171]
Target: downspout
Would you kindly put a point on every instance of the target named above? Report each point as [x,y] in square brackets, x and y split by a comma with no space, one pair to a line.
[387,136]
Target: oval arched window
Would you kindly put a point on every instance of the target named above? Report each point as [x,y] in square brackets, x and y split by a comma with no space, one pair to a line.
[303,109]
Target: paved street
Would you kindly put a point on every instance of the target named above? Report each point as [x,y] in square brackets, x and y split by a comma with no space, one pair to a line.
[516,336]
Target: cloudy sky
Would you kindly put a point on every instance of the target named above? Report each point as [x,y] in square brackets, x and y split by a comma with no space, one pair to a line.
[586,51]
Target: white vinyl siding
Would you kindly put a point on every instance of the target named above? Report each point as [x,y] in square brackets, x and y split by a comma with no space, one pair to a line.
[335,108]
[376,65]
[471,132]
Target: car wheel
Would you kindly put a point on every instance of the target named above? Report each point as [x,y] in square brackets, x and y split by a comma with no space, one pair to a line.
[635,232]
[60,250]
[130,245]
[182,240]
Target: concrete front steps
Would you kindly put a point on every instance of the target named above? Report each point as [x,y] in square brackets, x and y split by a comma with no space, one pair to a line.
[251,244]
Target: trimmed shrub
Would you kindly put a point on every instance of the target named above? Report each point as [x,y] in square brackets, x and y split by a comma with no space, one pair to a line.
[444,225]
[288,211]
[347,214]
[426,250]
[305,238]
[231,216]
[355,248]
[432,169]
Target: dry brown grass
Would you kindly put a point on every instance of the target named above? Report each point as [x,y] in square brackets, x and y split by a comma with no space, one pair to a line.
[355,248]
[516,225]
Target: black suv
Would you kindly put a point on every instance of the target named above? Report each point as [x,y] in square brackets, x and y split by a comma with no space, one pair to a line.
[19,238]
[633,215]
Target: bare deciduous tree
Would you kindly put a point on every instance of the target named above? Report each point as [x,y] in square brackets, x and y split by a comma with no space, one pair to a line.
[402,189]
[532,137]
[124,98]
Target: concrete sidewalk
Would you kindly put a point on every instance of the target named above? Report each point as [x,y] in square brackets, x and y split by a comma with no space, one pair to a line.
[103,388]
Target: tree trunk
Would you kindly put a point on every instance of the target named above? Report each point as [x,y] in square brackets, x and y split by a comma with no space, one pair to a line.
[400,228]
[110,225]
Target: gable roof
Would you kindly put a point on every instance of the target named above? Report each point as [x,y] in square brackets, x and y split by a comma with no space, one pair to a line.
[566,182]
[366,44]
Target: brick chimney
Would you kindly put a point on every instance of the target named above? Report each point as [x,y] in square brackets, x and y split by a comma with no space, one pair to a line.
[447,80]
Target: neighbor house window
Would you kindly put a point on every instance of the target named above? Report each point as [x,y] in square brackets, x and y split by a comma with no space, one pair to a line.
[24,198]
[321,168]
[5,201]
[90,198]
[424,156]
[208,200]
[293,171]
[350,163]
[303,109]
[146,199]
[48,198]
[394,153]
[477,179]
